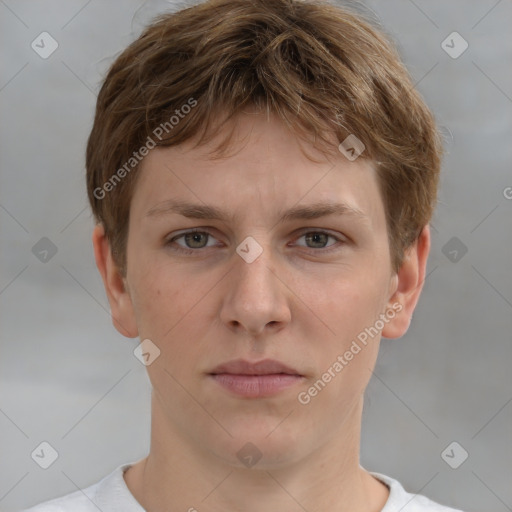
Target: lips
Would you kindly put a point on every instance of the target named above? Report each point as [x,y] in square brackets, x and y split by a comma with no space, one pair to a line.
[265,367]
[255,380]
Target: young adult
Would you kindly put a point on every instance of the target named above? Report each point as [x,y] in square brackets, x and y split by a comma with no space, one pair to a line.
[262,174]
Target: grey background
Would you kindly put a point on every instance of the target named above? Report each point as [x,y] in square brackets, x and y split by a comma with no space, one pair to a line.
[68,377]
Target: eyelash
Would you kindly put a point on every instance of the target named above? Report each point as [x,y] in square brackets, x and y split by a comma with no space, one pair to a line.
[324,250]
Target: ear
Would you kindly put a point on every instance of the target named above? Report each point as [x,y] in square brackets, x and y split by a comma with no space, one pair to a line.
[409,283]
[121,307]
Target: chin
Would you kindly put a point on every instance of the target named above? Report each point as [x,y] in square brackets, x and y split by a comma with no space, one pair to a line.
[259,445]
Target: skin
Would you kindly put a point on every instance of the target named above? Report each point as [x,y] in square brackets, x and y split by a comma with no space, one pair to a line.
[302,301]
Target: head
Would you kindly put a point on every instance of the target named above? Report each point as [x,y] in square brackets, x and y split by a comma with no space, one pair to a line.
[222,118]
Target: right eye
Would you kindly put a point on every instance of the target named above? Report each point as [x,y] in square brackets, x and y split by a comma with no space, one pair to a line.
[193,239]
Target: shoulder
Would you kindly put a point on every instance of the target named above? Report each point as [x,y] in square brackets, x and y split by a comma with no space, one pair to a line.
[400,499]
[77,501]
[110,493]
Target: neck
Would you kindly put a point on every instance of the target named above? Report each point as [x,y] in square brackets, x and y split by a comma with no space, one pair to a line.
[179,476]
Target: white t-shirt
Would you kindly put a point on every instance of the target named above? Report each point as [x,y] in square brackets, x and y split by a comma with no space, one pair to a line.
[111,494]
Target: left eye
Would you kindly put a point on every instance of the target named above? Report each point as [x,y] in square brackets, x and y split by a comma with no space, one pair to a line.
[318,239]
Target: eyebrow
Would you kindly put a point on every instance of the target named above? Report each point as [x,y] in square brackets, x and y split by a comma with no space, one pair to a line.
[201,211]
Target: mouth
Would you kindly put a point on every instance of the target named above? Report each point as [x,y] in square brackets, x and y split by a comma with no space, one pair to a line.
[255,380]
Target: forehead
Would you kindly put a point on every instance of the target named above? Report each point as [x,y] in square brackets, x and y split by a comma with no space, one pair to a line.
[264,172]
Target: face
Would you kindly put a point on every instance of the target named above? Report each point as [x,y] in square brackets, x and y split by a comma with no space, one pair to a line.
[279,258]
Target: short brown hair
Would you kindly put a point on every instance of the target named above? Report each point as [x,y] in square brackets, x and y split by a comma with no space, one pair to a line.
[320,68]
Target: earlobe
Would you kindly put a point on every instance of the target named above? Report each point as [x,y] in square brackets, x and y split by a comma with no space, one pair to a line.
[410,279]
[121,307]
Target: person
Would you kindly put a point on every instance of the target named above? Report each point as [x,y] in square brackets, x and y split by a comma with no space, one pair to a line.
[262,174]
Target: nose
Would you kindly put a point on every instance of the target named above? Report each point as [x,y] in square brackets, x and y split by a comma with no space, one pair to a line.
[256,300]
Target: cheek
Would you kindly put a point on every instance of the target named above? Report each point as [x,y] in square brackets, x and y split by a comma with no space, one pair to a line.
[160,300]
[344,360]
[348,306]
[174,310]
[347,301]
